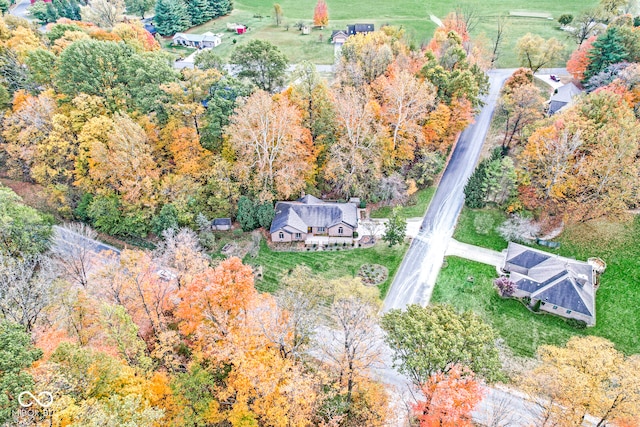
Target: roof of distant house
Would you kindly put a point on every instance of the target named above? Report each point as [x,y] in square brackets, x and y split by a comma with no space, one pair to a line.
[208,36]
[309,211]
[551,278]
[221,221]
[563,96]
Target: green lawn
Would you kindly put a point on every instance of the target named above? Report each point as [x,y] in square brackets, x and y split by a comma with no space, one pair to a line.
[617,313]
[418,208]
[522,330]
[412,15]
[328,265]
[466,230]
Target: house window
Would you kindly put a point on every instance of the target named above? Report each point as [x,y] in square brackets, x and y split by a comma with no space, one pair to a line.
[340,230]
[298,236]
[309,230]
[555,307]
[281,235]
[543,303]
[320,229]
[568,311]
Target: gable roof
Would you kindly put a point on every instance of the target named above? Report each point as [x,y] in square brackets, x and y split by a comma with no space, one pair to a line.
[205,37]
[551,278]
[309,211]
[221,221]
[360,28]
[562,97]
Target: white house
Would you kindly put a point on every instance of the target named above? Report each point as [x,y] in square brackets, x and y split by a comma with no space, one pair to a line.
[199,41]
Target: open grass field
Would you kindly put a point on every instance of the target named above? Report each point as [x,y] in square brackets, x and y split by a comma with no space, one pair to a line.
[418,208]
[328,265]
[616,302]
[413,15]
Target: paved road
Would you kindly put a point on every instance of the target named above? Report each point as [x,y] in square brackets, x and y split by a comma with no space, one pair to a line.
[20,9]
[413,283]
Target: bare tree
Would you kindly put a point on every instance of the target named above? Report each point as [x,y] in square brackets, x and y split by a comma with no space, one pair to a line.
[26,288]
[74,248]
[499,39]
[182,252]
[469,14]
[587,25]
[500,412]
[372,228]
[355,345]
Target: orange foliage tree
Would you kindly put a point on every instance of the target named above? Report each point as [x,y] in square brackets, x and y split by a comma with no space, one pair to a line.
[450,399]
[579,60]
[274,155]
[321,14]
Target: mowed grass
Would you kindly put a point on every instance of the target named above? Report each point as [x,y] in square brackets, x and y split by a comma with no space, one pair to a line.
[327,264]
[617,312]
[412,15]
[522,330]
[415,209]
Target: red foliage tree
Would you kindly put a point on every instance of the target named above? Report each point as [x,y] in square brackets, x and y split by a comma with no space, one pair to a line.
[579,60]
[450,398]
[321,14]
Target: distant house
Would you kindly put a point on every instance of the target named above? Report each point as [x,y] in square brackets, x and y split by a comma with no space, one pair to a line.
[199,41]
[221,224]
[563,286]
[151,29]
[360,28]
[310,216]
[563,97]
[339,37]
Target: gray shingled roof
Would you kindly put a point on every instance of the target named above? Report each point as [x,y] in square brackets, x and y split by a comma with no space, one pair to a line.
[208,36]
[310,211]
[562,97]
[551,278]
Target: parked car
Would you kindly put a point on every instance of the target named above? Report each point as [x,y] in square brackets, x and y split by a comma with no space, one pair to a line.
[554,78]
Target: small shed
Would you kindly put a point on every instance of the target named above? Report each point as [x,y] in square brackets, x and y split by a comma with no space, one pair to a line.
[221,224]
[241,29]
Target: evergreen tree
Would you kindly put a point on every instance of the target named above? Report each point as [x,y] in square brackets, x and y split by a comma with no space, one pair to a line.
[221,7]
[608,49]
[265,213]
[172,16]
[396,228]
[247,214]
[200,11]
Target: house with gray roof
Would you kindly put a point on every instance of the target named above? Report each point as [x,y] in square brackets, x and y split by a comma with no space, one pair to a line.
[310,216]
[563,97]
[198,41]
[563,286]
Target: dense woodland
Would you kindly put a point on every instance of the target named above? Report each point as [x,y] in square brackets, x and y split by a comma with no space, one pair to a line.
[121,141]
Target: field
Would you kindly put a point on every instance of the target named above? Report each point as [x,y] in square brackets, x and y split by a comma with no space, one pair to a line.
[328,265]
[616,301]
[412,15]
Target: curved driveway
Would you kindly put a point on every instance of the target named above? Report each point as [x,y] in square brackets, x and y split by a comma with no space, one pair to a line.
[413,283]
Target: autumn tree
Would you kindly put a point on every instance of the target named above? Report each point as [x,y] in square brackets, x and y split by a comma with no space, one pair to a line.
[321,14]
[356,157]
[450,399]
[582,166]
[274,157]
[180,250]
[277,12]
[587,376]
[434,339]
[406,103]
[519,106]
[579,60]
[103,13]
[534,52]
[262,63]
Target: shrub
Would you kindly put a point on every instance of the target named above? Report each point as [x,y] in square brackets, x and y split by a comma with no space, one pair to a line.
[355,234]
[565,19]
[483,223]
[506,287]
[537,305]
[577,323]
